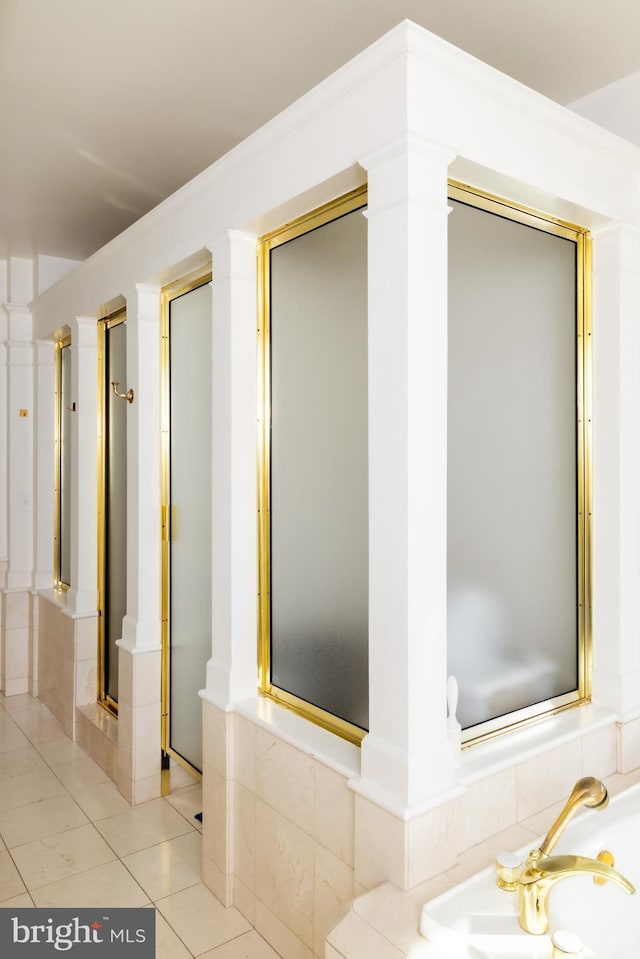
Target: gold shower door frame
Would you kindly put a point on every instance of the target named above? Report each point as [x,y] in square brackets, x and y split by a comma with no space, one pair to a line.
[185,285]
[104,325]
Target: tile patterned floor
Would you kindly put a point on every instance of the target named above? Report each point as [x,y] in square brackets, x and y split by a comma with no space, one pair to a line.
[68,838]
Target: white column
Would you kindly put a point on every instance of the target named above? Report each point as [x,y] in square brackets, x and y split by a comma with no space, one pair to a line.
[82,597]
[45,465]
[406,758]
[20,448]
[141,625]
[232,671]
[616,469]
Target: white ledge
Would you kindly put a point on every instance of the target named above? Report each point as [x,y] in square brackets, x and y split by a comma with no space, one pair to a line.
[514,748]
[320,744]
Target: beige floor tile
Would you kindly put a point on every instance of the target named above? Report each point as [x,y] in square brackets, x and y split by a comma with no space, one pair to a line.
[59,751]
[18,902]
[168,945]
[142,826]
[58,857]
[7,723]
[12,738]
[200,920]
[40,729]
[188,802]
[80,774]
[23,710]
[40,819]
[10,882]
[21,703]
[15,762]
[101,801]
[168,867]
[107,886]
[251,945]
[30,787]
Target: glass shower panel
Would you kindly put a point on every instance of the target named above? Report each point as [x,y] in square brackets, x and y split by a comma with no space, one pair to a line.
[64,557]
[319,483]
[115,600]
[190,517]
[512,458]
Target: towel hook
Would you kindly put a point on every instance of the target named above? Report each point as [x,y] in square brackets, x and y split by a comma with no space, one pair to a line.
[129,395]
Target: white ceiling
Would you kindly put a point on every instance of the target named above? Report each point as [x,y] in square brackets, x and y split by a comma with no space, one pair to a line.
[108,106]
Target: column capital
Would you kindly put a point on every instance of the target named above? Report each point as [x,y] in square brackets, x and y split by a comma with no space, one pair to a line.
[84,331]
[404,144]
[233,254]
[617,248]
[143,302]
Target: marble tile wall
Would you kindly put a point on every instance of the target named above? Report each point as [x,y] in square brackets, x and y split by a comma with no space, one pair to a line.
[97,734]
[66,661]
[137,770]
[278,834]
[505,810]
[15,629]
[629,746]
[291,846]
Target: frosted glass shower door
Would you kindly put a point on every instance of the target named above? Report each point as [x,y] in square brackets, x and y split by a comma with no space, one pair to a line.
[190,518]
[114,559]
[516,477]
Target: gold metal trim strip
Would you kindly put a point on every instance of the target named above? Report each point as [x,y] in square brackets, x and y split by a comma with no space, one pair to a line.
[510,210]
[342,728]
[58,582]
[333,210]
[104,324]
[184,763]
[172,291]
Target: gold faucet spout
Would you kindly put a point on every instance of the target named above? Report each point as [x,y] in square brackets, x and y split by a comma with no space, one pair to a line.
[589,792]
[541,875]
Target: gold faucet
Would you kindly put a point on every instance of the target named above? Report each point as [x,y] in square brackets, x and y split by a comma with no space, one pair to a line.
[588,792]
[543,872]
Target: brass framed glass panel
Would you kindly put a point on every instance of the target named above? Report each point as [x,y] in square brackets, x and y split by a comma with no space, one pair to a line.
[186,498]
[518,463]
[112,526]
[313,483]
[64,412]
